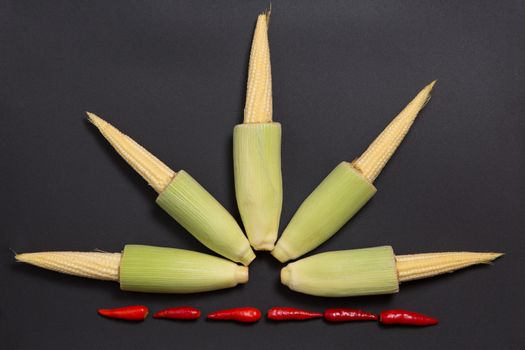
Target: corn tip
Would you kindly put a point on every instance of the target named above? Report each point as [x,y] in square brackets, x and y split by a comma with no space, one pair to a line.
[22,257]
[94,119]
[493,256]
[268,12]
[89,116]
[28,258]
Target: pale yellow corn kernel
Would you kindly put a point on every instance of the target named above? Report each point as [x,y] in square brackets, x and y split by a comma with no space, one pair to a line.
[416,266]
[373,160]
[258,108]
[96,265]
[155,172]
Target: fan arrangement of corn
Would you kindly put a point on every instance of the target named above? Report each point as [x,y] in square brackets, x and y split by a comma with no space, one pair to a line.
[259,194]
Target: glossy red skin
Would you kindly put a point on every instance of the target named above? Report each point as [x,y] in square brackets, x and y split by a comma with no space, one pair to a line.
[291,313]
[404,317]
[179,313]
[240,314]
[345,315]
[128,313]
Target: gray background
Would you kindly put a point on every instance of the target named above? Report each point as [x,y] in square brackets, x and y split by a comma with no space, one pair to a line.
[172,75]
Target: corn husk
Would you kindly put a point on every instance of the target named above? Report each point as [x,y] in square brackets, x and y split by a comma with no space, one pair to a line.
[205,218]
[344,273]
[337,198]
[169,270]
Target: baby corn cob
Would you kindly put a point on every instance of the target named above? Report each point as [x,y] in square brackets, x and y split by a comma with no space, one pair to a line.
[417,266]
[96,265]
[148,269]
[257,149]
[346,189]
[371,271]
[182,197]
[258,107]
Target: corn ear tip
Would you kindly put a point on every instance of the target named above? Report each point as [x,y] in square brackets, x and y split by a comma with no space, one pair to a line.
[267,13]
[494,256]
[490,257]
[20,257]
[90,116]
[24,257]
[428,90]
[27,258]
[94,119]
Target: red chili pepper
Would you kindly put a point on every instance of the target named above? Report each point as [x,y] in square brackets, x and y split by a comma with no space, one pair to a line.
[240,314]
[129,313]
[344,315]
[179,313]
[291,313]
[404,317]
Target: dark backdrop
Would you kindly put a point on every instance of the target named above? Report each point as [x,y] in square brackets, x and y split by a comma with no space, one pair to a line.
[172,75]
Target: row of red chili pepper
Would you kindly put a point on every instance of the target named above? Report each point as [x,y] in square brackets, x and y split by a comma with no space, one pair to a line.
[251,314]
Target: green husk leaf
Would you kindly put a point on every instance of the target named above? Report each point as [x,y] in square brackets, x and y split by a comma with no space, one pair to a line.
[337,198]
[258,181]
[169,270]
[344,273]
[205,218]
